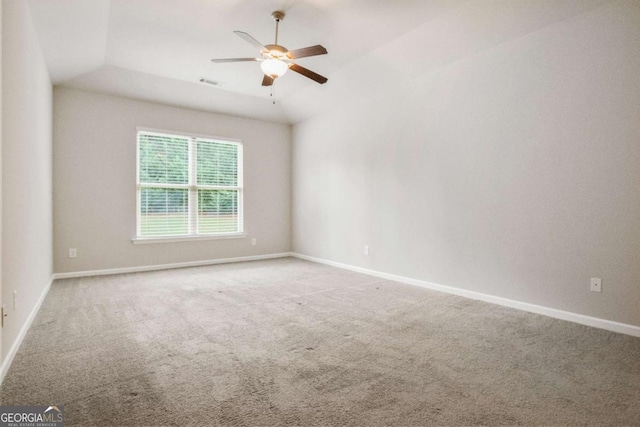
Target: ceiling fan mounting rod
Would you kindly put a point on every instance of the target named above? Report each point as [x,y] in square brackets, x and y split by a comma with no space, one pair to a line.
[277,16]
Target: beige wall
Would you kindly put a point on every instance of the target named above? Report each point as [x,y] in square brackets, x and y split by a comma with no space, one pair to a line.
[512,172]
[26,169]
[94,164]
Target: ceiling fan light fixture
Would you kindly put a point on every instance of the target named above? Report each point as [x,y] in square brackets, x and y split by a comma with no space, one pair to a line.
[274,68]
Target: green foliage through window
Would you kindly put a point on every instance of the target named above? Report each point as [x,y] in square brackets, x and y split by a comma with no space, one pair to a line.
[164,159]
[173,171]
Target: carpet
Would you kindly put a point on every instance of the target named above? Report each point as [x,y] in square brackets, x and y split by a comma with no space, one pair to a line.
[290,342]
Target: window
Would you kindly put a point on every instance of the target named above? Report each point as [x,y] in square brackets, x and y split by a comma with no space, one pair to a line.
[188,186]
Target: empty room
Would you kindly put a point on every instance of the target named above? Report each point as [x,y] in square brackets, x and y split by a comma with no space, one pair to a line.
[320,213]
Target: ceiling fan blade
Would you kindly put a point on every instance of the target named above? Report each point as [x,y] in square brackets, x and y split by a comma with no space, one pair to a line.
[251,40]
[267,81]
[234,60]
[307,51]
[308,73]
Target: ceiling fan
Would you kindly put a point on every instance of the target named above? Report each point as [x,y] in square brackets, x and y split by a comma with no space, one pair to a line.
[275,60]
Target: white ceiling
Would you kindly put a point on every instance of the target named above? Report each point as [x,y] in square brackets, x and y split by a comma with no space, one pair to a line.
[157,50]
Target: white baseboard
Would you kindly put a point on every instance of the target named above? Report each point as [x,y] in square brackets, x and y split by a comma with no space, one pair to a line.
[6,363]
[532,308]
[87,273]
[595,322]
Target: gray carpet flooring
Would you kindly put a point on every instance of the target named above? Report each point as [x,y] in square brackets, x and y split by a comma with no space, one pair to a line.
[289,342]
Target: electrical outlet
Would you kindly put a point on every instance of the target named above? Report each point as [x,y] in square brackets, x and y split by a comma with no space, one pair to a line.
[596,284]
[73,253]
[366,250]
[15,299]
[254,241]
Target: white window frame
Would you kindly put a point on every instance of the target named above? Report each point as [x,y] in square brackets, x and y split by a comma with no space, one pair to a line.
[193,190]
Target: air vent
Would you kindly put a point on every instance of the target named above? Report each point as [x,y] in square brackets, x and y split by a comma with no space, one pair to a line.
[210,82]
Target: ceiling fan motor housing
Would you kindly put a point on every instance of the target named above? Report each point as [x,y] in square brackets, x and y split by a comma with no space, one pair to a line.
[276,51]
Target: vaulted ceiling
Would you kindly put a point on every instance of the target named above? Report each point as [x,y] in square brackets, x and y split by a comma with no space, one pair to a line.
[158,50]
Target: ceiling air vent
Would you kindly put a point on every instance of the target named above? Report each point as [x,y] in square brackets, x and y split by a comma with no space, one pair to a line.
[209,81]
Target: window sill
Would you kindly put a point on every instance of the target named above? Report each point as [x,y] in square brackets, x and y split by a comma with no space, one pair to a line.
[147,240]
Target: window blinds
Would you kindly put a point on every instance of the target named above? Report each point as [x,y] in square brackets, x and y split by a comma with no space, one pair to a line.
[188,186]
[217,173]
